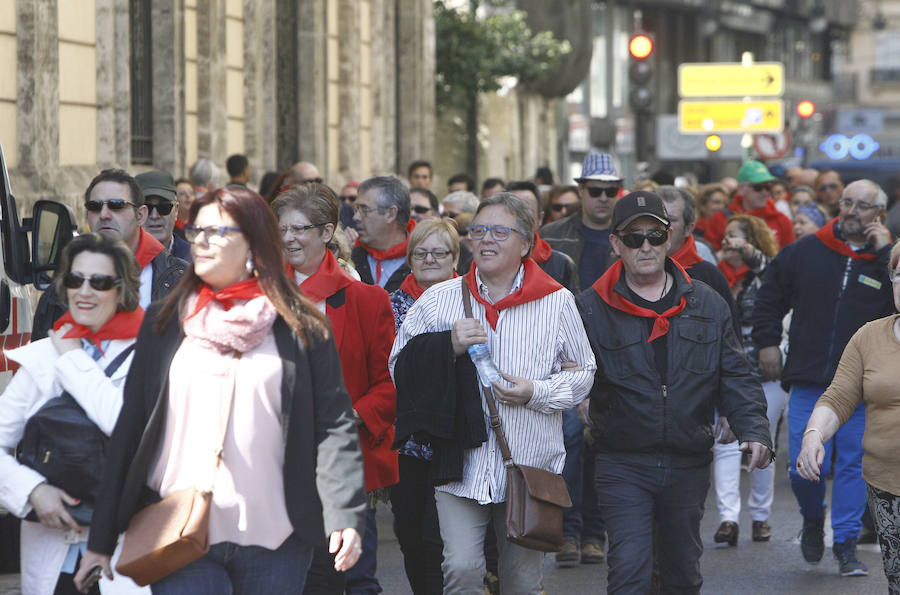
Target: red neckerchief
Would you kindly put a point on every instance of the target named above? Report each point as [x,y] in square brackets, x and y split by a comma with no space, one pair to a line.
[328,279]
[411,286]
[123,325]
[180,224]
[148,249]
[687,255]
[535,285]
[541,251]
[395,251]
[734,275]
[242,290]
[605,287]
[827,236]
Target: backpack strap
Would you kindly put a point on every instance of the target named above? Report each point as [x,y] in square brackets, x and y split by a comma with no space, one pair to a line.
[119,359]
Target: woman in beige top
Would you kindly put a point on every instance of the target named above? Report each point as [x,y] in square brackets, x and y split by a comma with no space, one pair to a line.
[868,373]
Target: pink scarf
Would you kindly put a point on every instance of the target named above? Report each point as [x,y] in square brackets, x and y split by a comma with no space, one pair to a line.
[240,328]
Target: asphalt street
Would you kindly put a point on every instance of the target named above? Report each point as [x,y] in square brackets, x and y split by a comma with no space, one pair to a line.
[749,568]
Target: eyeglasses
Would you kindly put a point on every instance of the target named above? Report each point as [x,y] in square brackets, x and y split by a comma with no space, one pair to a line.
[349,198]
[437,254]
[847,203]
[192,232]
[598,191]
[298,229]
[635,240]
[563,206]
[364,210]
[308,180]
[421,209]
[500,233]
[894,275]
[762,187]
[98,282]
[831,186]
[163,208]
[113,204]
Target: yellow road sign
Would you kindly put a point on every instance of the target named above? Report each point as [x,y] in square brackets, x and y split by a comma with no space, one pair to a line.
[731,79]
[707,117]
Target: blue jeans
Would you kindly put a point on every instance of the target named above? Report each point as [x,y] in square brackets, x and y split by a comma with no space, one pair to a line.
[635,498]
[848,494]
[361,578]
[242,570]
[582,521]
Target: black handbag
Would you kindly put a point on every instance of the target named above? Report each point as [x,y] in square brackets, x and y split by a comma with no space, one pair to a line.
[62,443]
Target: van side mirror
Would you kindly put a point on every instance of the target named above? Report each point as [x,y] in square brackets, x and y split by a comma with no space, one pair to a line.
[52,229]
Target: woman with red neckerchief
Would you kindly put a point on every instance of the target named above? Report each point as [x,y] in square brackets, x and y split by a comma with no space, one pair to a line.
[98,280]
[747,248]
[236,347]
[363,326]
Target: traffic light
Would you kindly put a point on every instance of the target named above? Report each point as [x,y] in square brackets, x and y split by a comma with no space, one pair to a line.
[806,109]
[713,143]
[640,72]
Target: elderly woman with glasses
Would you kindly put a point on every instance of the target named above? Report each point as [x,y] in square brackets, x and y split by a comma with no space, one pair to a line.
[86,359]
[867,374]
[363,325]
[432,256]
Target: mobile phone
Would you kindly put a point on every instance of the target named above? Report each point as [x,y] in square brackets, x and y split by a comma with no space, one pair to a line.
[92,579]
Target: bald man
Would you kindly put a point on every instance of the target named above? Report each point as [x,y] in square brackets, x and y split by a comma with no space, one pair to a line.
[302,172]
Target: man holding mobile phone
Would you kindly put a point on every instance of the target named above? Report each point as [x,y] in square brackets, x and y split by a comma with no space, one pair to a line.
[835,281]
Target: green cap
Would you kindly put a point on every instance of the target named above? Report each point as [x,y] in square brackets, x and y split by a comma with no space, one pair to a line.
[755,173]
[157,183]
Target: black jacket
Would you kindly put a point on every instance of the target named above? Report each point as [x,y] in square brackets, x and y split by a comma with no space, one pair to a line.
[562,268]
[831,295]
[442,406]
[167,271]
[323,470]
[360,260]
[634,413]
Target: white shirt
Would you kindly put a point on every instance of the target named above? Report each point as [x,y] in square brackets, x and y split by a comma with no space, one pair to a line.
[532,340]
[146,286]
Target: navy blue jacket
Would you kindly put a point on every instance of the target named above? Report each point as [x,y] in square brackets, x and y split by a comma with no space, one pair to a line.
[832,297]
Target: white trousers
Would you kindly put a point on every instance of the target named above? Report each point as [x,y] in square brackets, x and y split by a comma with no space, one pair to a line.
[727,466]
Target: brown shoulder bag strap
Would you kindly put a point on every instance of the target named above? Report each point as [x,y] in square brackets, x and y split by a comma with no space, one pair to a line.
[495,420]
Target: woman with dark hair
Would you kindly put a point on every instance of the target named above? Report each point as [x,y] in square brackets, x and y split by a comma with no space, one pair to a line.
[236,343]
[86,357]
[363,325]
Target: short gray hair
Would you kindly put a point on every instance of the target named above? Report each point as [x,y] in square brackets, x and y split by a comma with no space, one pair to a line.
[524,217]
[467,201]
[391,192]
[879,197]
[204,172]
[670,194]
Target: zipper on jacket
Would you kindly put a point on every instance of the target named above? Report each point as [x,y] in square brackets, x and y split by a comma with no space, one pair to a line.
[837,307]
[665,396]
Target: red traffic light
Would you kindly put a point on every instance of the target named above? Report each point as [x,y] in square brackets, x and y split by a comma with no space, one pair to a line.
[806,109]
[640,46]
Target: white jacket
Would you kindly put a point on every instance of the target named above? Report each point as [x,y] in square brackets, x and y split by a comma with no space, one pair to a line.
[44,374]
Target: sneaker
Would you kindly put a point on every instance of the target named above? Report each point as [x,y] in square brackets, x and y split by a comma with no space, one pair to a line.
[569,555]
[727,533]
[761,531]
[592,553]
[845,553]
[812,540]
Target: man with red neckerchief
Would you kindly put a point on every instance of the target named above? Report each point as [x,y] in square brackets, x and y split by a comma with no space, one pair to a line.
[835,281]
[667,356]
[115,209]
[531,327]
[381,212]
[753,198]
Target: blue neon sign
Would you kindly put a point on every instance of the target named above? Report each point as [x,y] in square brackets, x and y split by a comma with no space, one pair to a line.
[839,146]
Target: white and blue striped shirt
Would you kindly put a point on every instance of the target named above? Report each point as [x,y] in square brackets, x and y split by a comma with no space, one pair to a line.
[532,340]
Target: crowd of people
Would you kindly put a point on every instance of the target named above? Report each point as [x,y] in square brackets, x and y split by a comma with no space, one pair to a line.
[304,354]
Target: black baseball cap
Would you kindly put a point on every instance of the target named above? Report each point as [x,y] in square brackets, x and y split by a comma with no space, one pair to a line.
[157,183]
[639,203]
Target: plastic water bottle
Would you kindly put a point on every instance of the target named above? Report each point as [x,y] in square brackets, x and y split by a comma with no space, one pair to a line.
[484,363]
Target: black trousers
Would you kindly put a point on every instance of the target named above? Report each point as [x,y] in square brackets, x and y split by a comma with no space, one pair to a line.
[416,527]
[885,508]
[636,496]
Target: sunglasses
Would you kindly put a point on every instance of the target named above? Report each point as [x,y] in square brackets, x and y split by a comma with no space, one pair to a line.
[192,232]
[308,180]
[832,186]
[349,197]
[98,282]
[451,214]
[597,192]
[421,210]
[113,204]
[635,240]
[764,187]
[563,207]
[163,208]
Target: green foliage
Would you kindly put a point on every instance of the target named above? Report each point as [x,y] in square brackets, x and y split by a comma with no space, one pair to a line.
[473,55]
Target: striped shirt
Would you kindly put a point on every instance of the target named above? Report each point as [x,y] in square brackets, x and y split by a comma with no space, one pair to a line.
[532,340]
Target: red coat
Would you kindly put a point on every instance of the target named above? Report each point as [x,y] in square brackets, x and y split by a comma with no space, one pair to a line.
[775,219]
[363,325]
